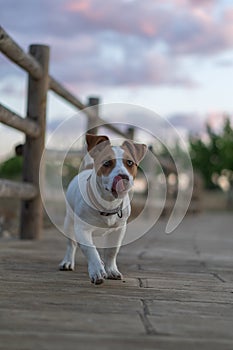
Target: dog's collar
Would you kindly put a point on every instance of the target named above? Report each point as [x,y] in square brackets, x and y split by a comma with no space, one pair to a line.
[98,206]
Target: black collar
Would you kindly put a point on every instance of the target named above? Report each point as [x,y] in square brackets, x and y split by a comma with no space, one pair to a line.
[117,211]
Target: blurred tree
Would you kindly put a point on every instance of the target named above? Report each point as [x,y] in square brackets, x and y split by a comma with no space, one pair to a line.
[11,168]
[214,158]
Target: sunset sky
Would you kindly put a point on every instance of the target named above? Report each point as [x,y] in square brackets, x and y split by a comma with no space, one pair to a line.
[172,56]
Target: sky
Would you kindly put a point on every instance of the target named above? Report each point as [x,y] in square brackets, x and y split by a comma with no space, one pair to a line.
[173,56]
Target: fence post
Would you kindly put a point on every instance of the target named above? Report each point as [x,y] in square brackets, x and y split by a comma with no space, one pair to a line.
[32,210]
[130,133]
[93,104]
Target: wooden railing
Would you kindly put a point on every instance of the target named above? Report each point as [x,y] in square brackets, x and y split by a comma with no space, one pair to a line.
[36,64]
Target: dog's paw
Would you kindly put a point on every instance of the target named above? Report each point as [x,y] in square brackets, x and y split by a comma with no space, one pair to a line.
[97,273]
[66,265]
[113,274]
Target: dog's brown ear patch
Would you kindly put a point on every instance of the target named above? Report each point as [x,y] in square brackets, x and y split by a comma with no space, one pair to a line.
[136,150]
[96,143]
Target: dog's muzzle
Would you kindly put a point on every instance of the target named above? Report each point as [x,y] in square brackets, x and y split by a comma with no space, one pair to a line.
[120,185]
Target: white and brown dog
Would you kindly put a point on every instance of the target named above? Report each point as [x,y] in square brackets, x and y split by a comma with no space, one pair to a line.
[98,203]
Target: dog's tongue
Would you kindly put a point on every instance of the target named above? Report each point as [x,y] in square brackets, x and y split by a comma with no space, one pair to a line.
[118,184]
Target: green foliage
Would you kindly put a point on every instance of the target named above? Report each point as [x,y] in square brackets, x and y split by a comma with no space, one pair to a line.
[69,172]
[214,157]
[11,168]
[176,154]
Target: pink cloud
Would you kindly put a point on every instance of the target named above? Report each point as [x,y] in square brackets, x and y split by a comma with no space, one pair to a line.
[115,44]
[228,28]
[193,3]
[185,26]
[119,16]
[201,3]
[127,42]
[78,6]
[147,28]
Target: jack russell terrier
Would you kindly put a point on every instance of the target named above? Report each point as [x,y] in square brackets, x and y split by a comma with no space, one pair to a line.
[98,203]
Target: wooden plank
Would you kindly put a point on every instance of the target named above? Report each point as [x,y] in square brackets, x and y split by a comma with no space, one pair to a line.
[16,54]
[34,294]
[33,171]
[15,121]
[20,190]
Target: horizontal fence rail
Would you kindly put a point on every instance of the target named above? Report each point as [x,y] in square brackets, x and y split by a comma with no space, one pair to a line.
[13,120]
[62,92]
[20,190]
[14,52]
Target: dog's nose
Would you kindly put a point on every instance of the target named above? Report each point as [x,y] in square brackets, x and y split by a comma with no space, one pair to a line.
[124,177]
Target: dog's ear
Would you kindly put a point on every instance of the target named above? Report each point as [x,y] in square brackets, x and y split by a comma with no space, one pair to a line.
[96,143]
[136,150]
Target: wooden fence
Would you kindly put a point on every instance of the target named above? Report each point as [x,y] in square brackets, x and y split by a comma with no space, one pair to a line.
[36,64]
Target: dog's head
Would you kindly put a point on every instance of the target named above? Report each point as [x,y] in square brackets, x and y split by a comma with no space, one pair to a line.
[115,166]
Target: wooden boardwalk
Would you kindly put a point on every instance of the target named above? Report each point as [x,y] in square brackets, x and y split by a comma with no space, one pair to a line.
[177,293]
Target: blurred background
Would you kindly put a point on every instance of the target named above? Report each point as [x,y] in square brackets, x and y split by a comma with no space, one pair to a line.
[173,57]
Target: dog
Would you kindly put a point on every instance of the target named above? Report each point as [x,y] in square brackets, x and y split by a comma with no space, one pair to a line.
[98,203]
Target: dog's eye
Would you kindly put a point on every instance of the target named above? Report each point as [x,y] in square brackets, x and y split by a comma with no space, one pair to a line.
[129,162]
[107,163]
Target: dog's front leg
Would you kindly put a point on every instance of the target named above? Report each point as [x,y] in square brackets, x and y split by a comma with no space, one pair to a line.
[96,269]
[113,244]
[68,263]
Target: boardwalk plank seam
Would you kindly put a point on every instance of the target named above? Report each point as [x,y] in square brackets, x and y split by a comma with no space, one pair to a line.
[149,329]
[216,275]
